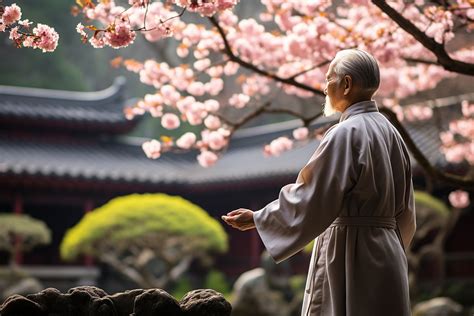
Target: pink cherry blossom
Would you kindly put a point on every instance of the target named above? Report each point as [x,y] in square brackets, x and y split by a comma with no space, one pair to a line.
[280,145]
[152,149]
[212,122]
[185,104]
[170,121]
[300,133]
[447,138]
[211,105]
[214,139]
[418,113]
[121,36]
[224,131]
[454,154]
[207,158]
[255,85]
[11,14]
[97,41]
[231,68]
[226,4]
[153,100]
[201,64]
[192,33]
[29,41]
[14,35]
[81,29]
[133,66]
[239,100]
[46,38]
[467,108]
[182,51]
[267,151]
[215,71]
[215,86]
[459,199]
[156,111]
[170,95]
[167,91]
[194,117]
[398,110]
[463,127]
[186,141]
[196,88]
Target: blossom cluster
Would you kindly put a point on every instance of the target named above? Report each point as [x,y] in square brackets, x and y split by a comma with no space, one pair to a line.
[457,141]
[154,19]
[41,37]
[211,142]
[459,199]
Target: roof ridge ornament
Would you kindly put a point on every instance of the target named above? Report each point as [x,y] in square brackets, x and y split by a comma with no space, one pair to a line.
[116,89]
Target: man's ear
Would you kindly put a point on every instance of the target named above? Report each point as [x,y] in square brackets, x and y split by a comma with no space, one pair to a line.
[347,81]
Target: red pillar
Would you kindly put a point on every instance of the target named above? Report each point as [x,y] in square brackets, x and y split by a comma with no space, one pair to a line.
[255,248]
[88,206]
[18,210]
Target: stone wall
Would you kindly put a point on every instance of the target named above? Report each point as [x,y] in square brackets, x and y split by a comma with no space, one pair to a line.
[92,301]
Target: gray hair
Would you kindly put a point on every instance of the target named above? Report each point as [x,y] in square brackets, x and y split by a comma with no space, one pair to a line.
[360,66]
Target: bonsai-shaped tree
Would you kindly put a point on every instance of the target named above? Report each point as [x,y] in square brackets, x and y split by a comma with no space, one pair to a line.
[149,238]
[21,233]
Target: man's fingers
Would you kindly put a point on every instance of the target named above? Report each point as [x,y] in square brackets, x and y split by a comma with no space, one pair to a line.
[227,219]
[230,221]
[232,216]
[235,212]
[240,219]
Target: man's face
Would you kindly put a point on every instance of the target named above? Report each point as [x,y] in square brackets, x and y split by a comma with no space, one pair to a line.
[331,92]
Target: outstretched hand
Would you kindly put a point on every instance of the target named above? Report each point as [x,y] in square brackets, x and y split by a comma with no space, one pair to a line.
[241,218]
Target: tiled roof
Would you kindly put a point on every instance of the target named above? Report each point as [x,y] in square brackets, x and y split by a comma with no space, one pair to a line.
[105,106]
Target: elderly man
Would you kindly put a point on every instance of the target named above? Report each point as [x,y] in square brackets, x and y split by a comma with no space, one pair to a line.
[355,196]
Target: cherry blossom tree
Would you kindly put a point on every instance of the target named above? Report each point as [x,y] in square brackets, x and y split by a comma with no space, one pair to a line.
[20,31]
[242,65]
[287,48]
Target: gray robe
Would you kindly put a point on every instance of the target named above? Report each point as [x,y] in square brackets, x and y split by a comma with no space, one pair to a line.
[355,196]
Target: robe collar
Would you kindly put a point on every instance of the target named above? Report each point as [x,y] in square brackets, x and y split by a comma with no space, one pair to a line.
[359,107]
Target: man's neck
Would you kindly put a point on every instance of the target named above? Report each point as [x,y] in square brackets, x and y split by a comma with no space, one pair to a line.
[356,100]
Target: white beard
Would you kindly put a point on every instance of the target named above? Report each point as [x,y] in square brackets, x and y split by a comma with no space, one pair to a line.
[328,109]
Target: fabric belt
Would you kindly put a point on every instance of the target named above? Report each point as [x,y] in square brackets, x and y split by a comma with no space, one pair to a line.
[370,221]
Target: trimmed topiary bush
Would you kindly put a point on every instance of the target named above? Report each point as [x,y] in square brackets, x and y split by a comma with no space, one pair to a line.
[150,238]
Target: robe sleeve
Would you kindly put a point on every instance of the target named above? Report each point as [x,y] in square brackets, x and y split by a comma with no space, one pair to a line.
[304,209]
[406,219]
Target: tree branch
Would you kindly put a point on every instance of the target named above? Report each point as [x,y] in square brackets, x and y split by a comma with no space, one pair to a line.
[437,49]
[431,171]
[180,268]
[306,120]
[265,109]
[323,63]
[125,270]
[420,61]
[228,51]
[245,119]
